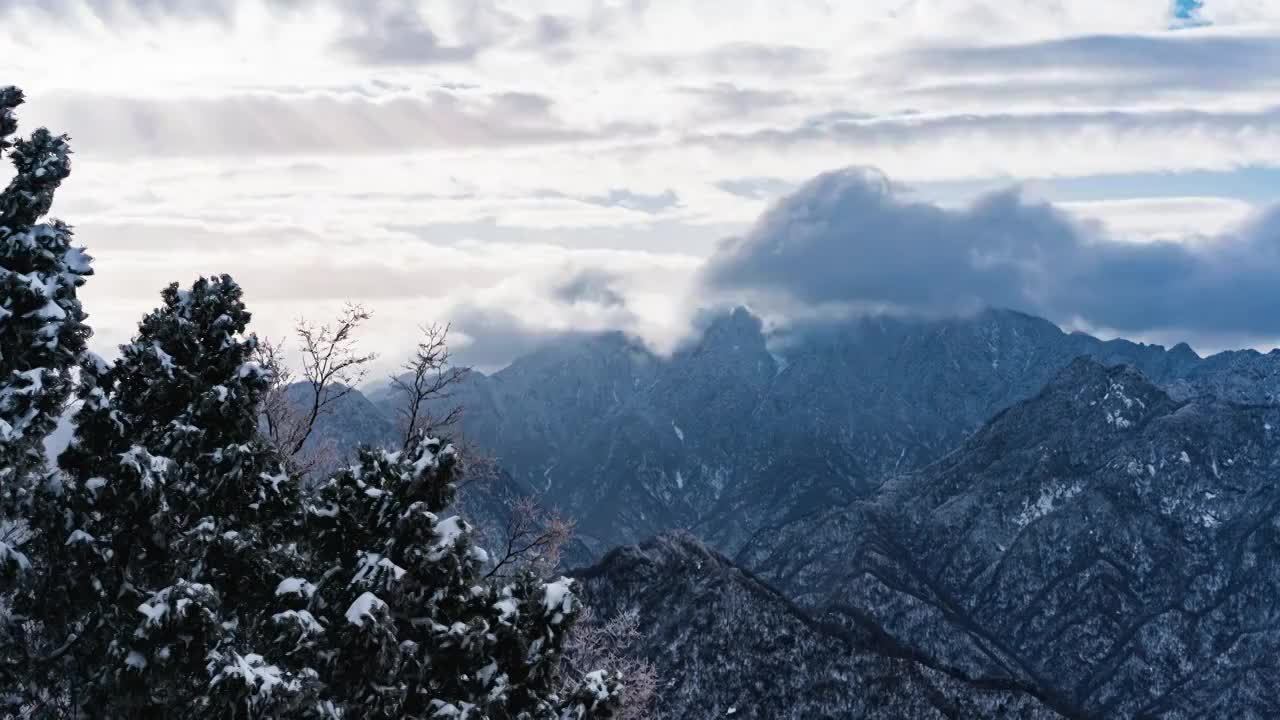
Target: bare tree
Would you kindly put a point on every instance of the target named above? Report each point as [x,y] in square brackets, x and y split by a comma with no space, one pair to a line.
[531,540]
[427,379]
[331,368]
[277,413]
[593,644]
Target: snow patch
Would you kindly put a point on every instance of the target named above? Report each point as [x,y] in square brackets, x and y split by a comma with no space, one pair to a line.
[594,684]
[295,586]
[508,609]
[1118,420]
[363,608]
[1051,498]
[303,619]
[448,532]
[558,599]
[262,679]
[779,363]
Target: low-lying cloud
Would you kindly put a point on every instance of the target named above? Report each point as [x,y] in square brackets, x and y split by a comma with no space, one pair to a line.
[591,285]
[847,239]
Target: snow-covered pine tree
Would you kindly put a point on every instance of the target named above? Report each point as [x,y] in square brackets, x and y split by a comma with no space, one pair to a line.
[42,330]
[178,524]
[42,334]
[398,619]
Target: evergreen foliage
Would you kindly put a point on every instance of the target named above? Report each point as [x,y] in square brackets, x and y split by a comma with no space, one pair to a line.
[174,567]
[42,330]
[179,520]
[42,336]
[414,630]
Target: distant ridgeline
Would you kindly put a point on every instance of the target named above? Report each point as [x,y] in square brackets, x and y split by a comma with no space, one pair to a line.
[731,436]
[987,497]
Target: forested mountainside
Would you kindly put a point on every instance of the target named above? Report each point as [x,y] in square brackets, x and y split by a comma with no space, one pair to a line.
[727,645]
[966,505]
[1115,547]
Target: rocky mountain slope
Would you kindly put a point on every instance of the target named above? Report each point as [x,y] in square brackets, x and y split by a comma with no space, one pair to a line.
[1114,547]
[971,519]
[737,432]
[728,645]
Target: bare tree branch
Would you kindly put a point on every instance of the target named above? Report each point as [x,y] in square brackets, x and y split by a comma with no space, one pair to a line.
[331,368]
[532,539]
[277,413]
[330,364]
[427,379]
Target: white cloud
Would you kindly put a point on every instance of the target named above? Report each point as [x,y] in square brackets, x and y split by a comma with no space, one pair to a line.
[1181,219]
[322,151]
[291,272]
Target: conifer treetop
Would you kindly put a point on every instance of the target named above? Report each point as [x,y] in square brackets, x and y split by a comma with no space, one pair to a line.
[42,329]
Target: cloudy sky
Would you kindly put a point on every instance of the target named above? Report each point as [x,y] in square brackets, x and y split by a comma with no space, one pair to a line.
[524,168]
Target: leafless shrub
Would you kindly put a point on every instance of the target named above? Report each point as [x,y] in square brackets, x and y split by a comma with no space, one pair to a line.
[593,644]
[532,539]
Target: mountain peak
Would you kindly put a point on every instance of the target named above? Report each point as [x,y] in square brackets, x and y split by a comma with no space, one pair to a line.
[1120,393]
[1083,409]
[737,324]
[660,555]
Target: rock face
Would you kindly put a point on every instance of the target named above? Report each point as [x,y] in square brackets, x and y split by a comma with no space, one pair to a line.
[734,434]
[1111,546]
[728,645]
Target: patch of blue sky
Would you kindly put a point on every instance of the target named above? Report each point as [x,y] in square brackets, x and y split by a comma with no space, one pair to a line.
[1186,13]
[1257,185]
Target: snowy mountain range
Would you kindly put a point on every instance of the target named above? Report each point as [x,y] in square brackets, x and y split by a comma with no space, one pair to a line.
[733,434]
[1114,547]
[1086,526]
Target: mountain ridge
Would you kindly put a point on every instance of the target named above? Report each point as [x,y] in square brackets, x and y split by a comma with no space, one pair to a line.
[695,605]
[632,443]
[950,495]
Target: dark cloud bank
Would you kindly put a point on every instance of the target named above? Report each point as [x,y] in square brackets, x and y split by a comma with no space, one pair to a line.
[845,238]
